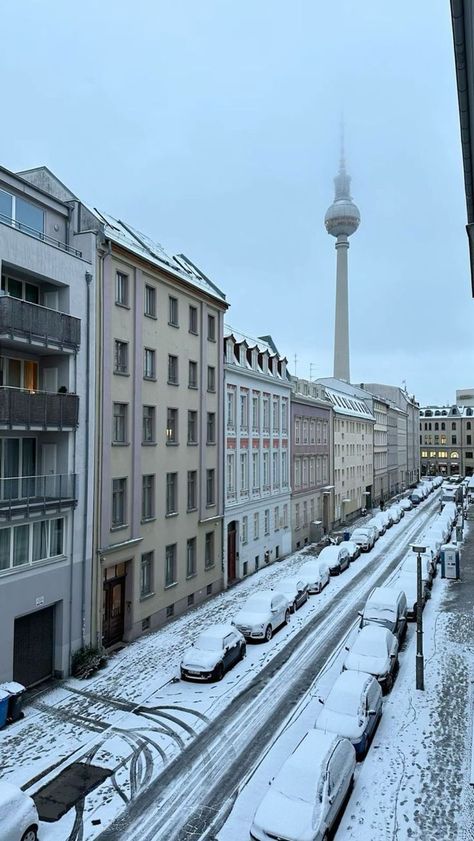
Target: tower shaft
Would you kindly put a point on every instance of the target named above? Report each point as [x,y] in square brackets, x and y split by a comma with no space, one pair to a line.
[341,330]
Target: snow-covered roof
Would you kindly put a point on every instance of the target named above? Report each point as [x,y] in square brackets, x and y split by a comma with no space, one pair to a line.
[239,338]
[453,411]
[345,403]
[143,246]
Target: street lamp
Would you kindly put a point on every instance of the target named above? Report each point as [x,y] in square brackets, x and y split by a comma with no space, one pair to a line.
[420,682]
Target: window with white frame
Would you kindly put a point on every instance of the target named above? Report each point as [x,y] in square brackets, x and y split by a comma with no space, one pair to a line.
[277,517]
[173,311]
[150,301]
[297,472]
[305,473]
[285,516]
[318,432]
[255,471]
[276,469]
[284,468]
[267,521]
[305,431]
[266,471]
[31,542]
[244,472]
[297,431]
[173,369]
[148,424]
[119,502]
[255,413]
[119,431]
[312,432]
[170,565]
[230,470]
[190,557]
[297,516]
[284,416]
[149,366]
[256,525]
[318,470]
[192,490]
[276,414]
[266,414]
[210,487]
[325,432]
[325,468]
[148,497]
[231,409]
[312,471]
[244,411]
[193,320]
[121,289]
[245,529]
[120,357]
[146,574]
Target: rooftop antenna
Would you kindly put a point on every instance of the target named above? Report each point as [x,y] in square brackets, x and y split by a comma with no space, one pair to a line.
[311,366]
[296,360]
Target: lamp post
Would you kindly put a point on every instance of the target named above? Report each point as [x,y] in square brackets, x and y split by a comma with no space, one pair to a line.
[420,680]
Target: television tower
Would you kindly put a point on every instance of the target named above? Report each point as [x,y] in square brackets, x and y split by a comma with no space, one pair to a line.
[342,219]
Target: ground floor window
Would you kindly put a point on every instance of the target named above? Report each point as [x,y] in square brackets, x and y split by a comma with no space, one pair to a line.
[31,542]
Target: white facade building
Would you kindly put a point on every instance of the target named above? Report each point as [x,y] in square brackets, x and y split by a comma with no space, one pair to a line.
[257,502]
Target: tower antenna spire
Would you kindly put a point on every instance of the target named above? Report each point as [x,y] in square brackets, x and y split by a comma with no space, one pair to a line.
[342,159]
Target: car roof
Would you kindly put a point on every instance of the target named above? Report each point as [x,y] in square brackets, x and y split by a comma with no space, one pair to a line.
[329,552]
[374,631]
[261,595]
[352,684]
[289,580]
[386,596]
[220,629]
[348,544]
[310,754]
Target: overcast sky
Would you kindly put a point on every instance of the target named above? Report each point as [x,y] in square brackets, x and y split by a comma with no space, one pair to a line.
[213,127]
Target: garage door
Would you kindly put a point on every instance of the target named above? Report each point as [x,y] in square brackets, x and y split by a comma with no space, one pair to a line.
[33,647]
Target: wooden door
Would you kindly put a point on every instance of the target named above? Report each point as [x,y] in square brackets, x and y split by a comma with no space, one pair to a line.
[113,611]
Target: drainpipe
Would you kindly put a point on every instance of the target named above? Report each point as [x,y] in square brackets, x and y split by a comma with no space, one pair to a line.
[88,278]
[71,562]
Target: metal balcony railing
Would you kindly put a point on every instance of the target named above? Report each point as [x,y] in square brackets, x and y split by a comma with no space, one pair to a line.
[38,324]
[13,223]
[38,409]
[21,496]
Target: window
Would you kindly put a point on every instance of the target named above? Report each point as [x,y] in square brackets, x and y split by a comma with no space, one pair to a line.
[244,472]
[121,357]
[25,214]
[171,493]
[256,525]
[193,320]
[244,411]
[211,427]
[276,469]
[305,513]
[231,409]
[173,370]
[312,432]
[297,515]
[468,439]
[190,557]
[285,516]
[305,473]
[121,289]
[453,425]
[172,426]
[210,487]
[245,529]
[209,550]
[192,427]
[284,416]
[170,565]
[149,370]
[230,475]
[267,521]
[148,424]
[276,414]
[255,413]
[150,301]
[312,471]
[146,574]
[266,471]
[148,497]
[297,431]
[255,472]
[468,424]
[424,453]
[266,414]
[173,311]
[211,378]
[192,490]
[305,431]
[211,328]
[56,532]
[297,472]
[119,433]
[169,611]
[119,487]
[468,454]
[454,439]
[190,599]
[277,517]
[284,468]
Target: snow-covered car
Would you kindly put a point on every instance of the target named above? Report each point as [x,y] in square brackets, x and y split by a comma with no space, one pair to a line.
[215,651]
[416,497]
[336,558]
[383,517]
[352,709]
[316,573]
[394,513]
[407,582]
[363,538]
[406,504]
[295,589]
[373,530]
[387,607]
[352,548]
[309,792]
[18,815]
[262,614]
[375,651]
[379,524]
[409,564]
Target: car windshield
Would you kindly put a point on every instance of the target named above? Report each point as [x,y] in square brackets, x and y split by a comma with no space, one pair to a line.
[342,702]
[370,646]
[209,642]
[256,604]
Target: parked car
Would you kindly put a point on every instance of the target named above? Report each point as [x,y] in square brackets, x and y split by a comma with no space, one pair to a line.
[380,522]
[316,573]
[409,564]
[18,814]
[387,607]
[363,537]
[373,531]
[374,523]
[375,651]
[406,503]
[352,709]
[416,497]
[215,651]
[295,590]
[309,792]
[336,558]
[407,582]
[262,614]
[394,513]
[352,548]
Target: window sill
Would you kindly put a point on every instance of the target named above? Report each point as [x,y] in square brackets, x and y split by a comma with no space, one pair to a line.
[148,519]
[122,373]
[171,382]
[120,527]
[170,587]
[120,443]
[192,443]
[210,443]
[146,596]
[191,575]
[190,510]
[148,443]
[210,504]
[149,315]
[207,567]
[123,306]
[172,324]
[172,443]
[210,339]
[149,379]
[193,387]
[211,390]
[172,514]
[193,332]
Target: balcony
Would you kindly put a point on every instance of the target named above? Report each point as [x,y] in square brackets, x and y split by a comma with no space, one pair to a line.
[27,496]
[33,232]
[31,323]
[22,409]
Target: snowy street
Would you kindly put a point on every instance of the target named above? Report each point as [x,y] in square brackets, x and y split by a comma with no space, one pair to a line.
[136,720]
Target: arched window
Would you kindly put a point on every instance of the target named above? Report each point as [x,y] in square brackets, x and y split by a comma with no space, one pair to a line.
[454,454]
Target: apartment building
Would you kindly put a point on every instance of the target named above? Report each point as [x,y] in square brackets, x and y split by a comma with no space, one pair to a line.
[353,438]
[159,459]
[257,452]
[408,458]
[311,462]
[446,440]
[46,426]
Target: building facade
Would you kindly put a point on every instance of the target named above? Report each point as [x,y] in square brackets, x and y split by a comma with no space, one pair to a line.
[311,462]
[159,462]
[446,440]
[381,485]
[257,527]
[407,438]
[46,426]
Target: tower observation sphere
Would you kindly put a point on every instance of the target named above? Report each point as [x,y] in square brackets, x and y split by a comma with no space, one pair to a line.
[343,216]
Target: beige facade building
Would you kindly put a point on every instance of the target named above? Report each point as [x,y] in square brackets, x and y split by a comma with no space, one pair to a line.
[159,474]
[446,440]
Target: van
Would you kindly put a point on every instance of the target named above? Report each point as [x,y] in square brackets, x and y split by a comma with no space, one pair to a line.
[386,606]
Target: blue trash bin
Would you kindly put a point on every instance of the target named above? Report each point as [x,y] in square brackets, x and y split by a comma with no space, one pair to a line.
[4,696]
[347,535]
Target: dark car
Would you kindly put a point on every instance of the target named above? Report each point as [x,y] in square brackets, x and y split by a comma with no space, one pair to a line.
[216,650]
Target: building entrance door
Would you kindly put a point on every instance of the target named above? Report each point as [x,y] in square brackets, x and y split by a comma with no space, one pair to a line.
[33,647]
[113,609]
[231,543]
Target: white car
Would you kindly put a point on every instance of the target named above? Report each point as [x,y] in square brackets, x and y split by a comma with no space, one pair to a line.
[352,709]
[408,583]
[309,791]
[216,650]
[406,504]
[363,538]
[352,548]
[375,651]
[378,524]
[18,815]
[262,614]
[410,564]
[336,557]
[394,513]
[295,590]
[316,573]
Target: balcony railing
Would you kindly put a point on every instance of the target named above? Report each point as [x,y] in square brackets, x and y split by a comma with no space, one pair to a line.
[37,409]
[21,496]
[63,246]
[38,324]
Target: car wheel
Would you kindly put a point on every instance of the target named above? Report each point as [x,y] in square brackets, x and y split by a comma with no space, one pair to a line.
[293,607]
[219,671]
[243,651]
[287,617]
[388,685]
[268,633]
[31,834]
